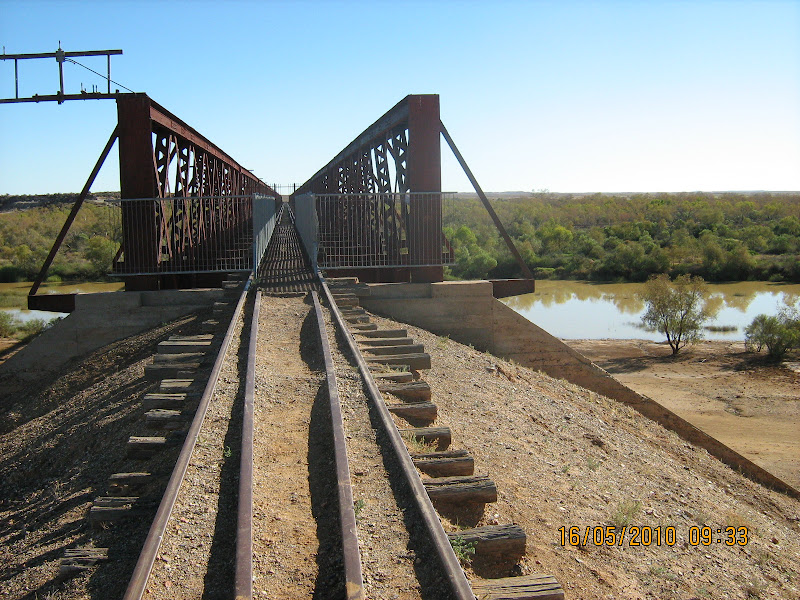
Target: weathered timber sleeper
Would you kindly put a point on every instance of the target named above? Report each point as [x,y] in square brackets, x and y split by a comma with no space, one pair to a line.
[445,464]
[475,489]
[495,542]
[79,559]
[525,587]
[370,351]
[439,435]
[417,412]
[415,362]
[384,333]
[410,391]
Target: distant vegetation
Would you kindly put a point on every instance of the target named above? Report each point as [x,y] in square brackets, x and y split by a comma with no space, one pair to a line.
[721,237]
[11,327]
[26,237]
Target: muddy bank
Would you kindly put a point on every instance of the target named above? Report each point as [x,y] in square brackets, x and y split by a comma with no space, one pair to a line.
[731,394]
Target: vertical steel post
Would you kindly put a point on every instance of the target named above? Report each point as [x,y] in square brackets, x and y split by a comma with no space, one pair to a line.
[16,79]
[60,61]
[137,179]
[424,174]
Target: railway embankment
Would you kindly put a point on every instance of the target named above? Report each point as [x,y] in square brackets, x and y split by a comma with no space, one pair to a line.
[467,312]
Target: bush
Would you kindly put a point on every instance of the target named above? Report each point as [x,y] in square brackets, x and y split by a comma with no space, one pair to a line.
[778,334]
[8,324]
[676,308]
[10,274]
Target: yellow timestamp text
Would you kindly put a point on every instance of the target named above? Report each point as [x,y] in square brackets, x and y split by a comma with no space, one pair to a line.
[644,535]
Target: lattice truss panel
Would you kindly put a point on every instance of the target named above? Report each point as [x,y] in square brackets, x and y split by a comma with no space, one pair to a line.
[369,228]
[189,228]
[379,166]
[197,213]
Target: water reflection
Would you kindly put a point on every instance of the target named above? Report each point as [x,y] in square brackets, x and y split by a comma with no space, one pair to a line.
[24,315]
[574,309]
[22,287]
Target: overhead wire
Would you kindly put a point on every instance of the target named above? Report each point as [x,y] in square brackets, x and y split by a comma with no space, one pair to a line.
[100,74]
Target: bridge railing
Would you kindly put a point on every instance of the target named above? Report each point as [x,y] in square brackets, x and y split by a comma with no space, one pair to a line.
[205,234]
[374,230]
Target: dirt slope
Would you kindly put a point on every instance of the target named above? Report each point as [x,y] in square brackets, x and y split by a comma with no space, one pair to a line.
[736,396]
[562,456]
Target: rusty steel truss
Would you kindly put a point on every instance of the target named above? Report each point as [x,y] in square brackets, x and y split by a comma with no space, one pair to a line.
[162,157]
[398,154]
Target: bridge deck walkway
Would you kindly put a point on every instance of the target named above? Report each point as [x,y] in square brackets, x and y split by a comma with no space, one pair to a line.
[285,267]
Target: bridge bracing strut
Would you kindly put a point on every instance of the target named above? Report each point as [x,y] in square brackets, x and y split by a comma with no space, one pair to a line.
[400,153]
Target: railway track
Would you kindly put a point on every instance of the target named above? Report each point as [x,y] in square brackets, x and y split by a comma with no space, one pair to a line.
[393,472]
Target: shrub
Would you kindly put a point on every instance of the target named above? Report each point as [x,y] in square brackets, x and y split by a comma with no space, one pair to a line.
[676,308]
[8,324]
[778,334]
[32,328]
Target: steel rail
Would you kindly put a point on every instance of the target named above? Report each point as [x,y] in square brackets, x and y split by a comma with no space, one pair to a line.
[243,579]
[147,557]
[354,581]
[454,574]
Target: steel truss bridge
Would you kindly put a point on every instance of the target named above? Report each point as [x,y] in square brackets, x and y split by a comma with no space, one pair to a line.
[189,213]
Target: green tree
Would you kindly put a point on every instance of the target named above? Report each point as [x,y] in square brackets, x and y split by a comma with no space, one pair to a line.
[676,308]
[778,334]
[100,252]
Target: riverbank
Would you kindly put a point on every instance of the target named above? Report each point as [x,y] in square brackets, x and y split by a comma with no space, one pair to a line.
[733,395]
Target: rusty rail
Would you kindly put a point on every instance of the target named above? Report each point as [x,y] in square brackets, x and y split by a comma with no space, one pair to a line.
[354,582]
[147,557]
[453,572]
[243,583]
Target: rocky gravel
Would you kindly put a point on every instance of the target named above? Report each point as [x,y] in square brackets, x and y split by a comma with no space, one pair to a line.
[563,456]
[200,537]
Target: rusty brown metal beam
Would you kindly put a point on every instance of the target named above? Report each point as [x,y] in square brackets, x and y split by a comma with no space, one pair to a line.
[351,557]
[243,576]
[394,117]
[509,242]
[73,213]
[424,174]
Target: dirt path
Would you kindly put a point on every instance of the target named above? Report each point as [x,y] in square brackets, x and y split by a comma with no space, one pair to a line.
[288,375]
[720,388]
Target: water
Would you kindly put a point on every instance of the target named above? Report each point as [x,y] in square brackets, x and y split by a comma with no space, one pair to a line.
[19,291]
[580,310]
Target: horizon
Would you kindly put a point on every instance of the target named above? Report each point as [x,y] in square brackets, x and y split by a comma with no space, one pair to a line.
[575,95]
[490,193]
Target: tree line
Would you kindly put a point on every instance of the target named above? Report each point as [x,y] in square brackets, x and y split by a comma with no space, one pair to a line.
[615,237]
[26,237]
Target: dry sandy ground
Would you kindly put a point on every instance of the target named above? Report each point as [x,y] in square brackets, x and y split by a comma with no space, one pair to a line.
[747,404]
[563,456]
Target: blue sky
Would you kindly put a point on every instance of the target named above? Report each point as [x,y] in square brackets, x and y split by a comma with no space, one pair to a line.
[570,96]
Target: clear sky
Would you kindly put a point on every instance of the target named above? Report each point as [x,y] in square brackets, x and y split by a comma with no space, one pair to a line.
[570,96]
